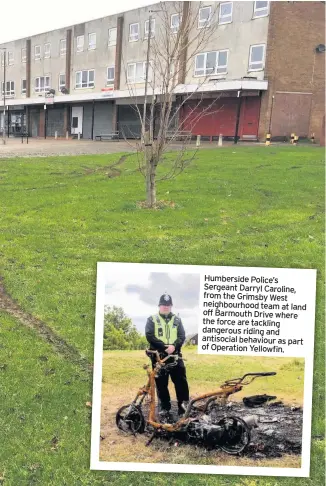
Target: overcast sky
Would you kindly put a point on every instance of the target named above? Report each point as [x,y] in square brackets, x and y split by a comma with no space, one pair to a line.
[138,294]
[29,17]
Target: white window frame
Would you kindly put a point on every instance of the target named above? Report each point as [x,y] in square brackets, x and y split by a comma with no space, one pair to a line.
[215,73]
[62,85]
[80,48]
[11,92]
[37,57]
[47,51]
[110,81]
[220,17]
[134,37]
[91,46]
[260,12]
[146,29]
[24,54]
[23,91]
[63,47]
[174,28]
[46,87]
[251,69]
[141,80]
[11,59]
[81,79]
[114,41]
[204,23]
[3,57]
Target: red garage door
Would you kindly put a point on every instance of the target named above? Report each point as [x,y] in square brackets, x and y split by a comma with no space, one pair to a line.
[249,117]
[209,118]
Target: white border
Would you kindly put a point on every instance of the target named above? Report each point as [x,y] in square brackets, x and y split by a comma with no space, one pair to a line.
[95,464]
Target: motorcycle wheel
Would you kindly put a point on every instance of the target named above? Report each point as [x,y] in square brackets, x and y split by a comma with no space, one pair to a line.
[236,436]
[130,418]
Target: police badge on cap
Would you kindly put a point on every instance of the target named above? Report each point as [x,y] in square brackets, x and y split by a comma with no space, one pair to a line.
[165,299]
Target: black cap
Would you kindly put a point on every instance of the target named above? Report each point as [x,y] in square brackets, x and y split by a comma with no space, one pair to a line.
[165,299]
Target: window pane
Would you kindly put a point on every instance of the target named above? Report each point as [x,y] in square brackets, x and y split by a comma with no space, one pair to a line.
[80,43]
[261,5]
[78,78]
[91,76]
[130,73]
[222,58]
[139,71]
[204,13]
[210,62]
[152,27]
[112,36]
[175,20]
[200,59]
[110,73]
[226,9]
[92,40]
[257,54]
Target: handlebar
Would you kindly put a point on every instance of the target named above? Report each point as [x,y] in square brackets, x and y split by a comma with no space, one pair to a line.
[267,373]
[241,381]
[158,358]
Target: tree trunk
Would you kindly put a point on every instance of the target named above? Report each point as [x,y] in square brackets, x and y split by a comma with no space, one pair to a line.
[151,164]
[150,181]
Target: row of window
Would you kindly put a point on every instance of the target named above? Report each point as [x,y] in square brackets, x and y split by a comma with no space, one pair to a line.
[205,16]
[206,64]
[84,79]
[215,62]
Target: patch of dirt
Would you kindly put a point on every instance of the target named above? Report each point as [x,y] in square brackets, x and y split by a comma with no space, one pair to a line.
[8,304]
[158,205]
[279,429]
[110,170]
[277,437]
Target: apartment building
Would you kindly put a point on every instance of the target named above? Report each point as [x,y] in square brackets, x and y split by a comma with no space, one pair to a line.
[87,79]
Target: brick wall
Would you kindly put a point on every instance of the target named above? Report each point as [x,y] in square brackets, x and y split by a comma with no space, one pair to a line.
[292,64]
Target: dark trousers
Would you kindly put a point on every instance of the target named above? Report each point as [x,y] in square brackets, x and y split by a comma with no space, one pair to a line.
[179,378]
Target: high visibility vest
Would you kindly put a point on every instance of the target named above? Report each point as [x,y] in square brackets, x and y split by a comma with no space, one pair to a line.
[166,331]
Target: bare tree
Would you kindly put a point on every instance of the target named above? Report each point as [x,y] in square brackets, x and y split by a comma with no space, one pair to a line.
[180,34]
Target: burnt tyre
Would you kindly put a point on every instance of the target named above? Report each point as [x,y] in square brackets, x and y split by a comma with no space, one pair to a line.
[236,435]
[130,418]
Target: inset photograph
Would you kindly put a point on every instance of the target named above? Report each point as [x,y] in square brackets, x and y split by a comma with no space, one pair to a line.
[163,403]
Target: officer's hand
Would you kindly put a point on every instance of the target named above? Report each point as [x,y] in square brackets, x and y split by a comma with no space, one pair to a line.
[170,349]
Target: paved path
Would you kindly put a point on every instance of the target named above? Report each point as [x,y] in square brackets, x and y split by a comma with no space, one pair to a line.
[48,147]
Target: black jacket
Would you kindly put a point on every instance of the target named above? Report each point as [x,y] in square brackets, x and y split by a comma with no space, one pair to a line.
[156,343]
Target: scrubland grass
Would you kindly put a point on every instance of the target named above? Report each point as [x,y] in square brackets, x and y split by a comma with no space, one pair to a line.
[249,206]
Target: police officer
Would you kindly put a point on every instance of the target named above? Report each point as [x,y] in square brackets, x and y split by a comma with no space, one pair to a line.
[165,333]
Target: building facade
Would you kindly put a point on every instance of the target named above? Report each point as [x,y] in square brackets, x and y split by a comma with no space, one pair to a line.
[260,69]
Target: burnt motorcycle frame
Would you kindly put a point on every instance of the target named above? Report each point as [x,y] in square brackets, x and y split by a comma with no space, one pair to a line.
[136,417]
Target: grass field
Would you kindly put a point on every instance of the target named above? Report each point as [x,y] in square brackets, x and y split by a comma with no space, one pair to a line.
[252,206]
[123,375]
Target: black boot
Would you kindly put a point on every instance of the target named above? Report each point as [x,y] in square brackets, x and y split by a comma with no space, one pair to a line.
[165,417]
[182,407]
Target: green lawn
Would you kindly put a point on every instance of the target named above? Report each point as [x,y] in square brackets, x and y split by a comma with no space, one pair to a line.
[257,207]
